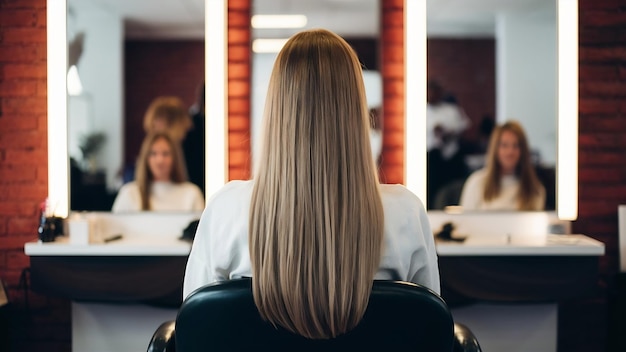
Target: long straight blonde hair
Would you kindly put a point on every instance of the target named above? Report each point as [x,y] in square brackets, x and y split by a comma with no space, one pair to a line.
[316,217]
[530,187]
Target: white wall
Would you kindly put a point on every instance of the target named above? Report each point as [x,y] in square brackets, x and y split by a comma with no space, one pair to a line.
[261,70]
[526,76]
[99,108]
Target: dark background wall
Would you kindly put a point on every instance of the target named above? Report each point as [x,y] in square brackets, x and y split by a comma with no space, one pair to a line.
[466,69]
[157,68]
[45,323]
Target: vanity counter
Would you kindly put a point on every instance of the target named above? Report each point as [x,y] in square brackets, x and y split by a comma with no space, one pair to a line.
[140,245]
[552,245]
[147,264]
[516,245]
[502,287]
[518,268]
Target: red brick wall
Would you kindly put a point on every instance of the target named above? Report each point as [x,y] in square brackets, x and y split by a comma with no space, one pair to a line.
[602,136]
[239,77]
[392,71]
[156,68]
[602,165]
[45,323]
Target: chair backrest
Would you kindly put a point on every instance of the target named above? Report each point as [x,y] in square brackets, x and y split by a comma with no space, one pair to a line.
[400,316]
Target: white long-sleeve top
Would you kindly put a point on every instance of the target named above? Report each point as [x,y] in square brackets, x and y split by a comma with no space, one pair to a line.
[220,248]
[164,196]
[474,189]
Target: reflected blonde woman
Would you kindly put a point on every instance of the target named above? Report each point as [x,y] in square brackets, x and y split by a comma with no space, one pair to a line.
[314,228]
[508,181]
[161,180]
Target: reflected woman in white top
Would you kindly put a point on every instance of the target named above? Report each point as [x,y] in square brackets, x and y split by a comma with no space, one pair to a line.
[508,181]
[160,181]
[314,228]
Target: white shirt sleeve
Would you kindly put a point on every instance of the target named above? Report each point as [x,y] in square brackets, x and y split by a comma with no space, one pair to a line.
[198,272]
[220,247]
[473,189]
[198,198]
[127,199]
[409,248]
[424,267]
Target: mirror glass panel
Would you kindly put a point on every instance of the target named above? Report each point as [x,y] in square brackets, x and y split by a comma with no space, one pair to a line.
[493,61]
[497,23]
[121,56]
[357,22]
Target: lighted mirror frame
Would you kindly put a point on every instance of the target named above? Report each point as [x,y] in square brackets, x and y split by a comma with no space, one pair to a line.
[567,105]
[216,68]
[58,162]
[216,31]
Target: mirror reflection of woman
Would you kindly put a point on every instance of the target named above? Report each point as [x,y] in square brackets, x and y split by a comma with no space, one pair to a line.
[161,180]
[164,114]
[508,181]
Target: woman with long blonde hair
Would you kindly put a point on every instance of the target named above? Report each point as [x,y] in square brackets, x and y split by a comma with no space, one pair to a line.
[508,181]
[161,180]
[314,227]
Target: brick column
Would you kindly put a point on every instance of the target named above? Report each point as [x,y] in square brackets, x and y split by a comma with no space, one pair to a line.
[392,69]
[239,81]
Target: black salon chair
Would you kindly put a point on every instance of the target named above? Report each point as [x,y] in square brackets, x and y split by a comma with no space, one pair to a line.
[400,316]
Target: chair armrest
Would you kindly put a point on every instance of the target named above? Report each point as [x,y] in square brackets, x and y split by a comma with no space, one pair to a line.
[163,339]
[464,339]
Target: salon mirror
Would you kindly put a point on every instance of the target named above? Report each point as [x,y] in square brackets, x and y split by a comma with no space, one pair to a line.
[494,61]
[567,131]
[121,56]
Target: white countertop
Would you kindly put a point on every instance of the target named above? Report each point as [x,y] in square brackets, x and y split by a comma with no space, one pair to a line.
[550,245]
[127,246]
[559,245]
[156,234]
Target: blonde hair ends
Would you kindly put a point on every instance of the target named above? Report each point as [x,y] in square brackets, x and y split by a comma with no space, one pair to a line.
[316,217]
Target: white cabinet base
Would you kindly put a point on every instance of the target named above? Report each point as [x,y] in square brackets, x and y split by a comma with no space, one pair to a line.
[511,327]
[99,327]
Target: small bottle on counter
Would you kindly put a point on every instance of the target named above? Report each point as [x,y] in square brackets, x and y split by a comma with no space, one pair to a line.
[47,229]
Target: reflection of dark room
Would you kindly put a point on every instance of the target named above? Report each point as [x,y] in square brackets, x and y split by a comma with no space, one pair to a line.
[466,70]
[153,68]
[88,190]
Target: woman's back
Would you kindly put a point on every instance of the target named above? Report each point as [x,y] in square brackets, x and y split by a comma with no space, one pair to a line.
[316,219]
[220,252]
